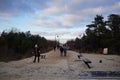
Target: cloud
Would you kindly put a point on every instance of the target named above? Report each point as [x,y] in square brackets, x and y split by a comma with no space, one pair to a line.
[39,4]
[54,23]
[91,7]
[64,21]
[52,10]
[51,7]
[14,7]
[56,7]
[63,17]
[21,7]
[70,20]
[114,8]
[40,23]
[44,22]
[75,12]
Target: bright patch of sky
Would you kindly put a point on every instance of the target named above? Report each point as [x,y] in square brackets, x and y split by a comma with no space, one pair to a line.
[48,18]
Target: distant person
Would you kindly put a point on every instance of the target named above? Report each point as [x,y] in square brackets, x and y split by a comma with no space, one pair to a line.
[61,51]
[37,53]
[54,48]
[65,50]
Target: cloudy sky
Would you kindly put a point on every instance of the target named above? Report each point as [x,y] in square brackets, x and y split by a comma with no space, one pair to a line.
[49,18]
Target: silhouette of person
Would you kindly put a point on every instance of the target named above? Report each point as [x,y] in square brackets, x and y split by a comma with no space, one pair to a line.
[61,51]
[37,53]
[65,50]
[54,48]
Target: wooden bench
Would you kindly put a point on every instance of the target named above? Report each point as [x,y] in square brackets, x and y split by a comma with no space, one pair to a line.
[42,56]
[79,56]
[87,61]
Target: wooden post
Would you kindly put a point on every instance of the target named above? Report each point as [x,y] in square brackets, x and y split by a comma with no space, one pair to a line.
[105,51]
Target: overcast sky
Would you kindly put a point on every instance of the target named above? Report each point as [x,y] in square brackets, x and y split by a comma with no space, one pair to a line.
[65,18]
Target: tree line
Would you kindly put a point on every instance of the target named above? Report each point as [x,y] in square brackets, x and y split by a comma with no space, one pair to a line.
[17,45]
[100,34]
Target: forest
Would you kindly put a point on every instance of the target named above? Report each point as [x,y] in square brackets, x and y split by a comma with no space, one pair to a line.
[17,45]
[101,33]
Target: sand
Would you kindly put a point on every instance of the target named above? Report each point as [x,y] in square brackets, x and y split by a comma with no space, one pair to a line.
[55,67]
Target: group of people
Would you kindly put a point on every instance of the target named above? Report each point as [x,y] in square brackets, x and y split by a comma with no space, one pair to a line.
[37,52]
[63,50]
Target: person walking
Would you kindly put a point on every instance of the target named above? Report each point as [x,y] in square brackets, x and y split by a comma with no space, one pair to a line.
[65,50]
[54,48]
[61,51]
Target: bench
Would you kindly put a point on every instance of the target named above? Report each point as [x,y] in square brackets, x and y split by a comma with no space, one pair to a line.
[42,56]
[79,56]
[87,61]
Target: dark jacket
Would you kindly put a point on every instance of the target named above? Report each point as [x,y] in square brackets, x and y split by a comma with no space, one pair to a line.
[37,52]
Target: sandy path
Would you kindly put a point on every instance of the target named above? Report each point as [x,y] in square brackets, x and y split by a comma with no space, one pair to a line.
[55,67]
